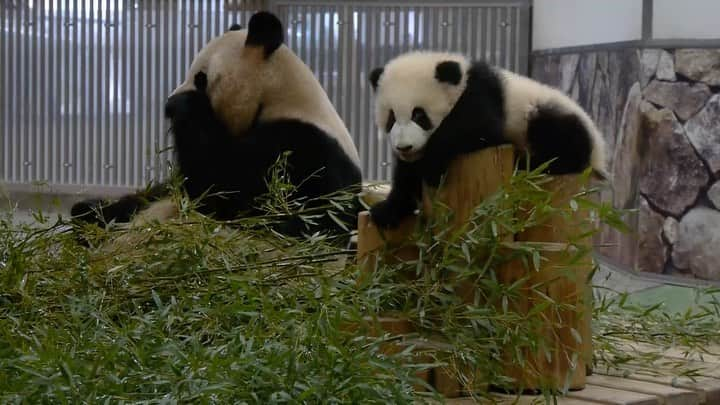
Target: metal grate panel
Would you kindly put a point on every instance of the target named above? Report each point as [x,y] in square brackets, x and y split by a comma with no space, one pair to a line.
[82,82]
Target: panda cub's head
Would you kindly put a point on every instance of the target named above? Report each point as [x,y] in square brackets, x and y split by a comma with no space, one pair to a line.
[411,100]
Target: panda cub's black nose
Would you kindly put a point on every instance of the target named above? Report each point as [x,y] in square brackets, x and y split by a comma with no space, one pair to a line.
[403,148]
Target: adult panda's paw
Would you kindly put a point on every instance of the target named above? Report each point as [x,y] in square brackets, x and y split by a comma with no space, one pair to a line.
[387,214]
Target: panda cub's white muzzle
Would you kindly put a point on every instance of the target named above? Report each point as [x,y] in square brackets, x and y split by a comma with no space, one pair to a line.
[408,140]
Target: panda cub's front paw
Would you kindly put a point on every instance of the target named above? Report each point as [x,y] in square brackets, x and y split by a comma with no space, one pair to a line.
[386,214]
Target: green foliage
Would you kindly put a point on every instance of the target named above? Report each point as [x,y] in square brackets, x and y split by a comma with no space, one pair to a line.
[194,310]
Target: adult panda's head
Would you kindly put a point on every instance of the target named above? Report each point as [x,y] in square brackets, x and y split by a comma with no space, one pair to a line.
[247,76]
[413,94]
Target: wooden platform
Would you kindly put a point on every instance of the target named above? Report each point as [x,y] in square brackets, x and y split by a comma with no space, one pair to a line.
[636,389]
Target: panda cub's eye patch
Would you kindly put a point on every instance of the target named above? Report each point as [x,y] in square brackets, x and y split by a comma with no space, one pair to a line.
[419,116]
[200,81]
[390,121]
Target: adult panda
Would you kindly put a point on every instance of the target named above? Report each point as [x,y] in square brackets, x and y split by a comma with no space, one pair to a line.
[435,106]
[247,100]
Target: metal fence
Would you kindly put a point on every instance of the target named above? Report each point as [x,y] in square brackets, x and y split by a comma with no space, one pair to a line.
[82,82]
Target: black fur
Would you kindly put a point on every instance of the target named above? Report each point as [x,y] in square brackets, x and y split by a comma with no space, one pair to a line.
[101,211]
[200,81]
[475,122]
[231,171]
[420,117]
[375,76]
[448,72]
[264,29]
[235,27]
[557,134]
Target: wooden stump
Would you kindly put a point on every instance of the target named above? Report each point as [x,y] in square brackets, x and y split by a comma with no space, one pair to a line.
[470,180]
[565,281]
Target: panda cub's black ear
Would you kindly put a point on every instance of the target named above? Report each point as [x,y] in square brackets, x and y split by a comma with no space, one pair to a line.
[448,72]
[264,29]
[375,76]
[235,27]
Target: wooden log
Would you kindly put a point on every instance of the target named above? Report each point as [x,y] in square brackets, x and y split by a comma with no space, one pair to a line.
[565,281]
[470,180]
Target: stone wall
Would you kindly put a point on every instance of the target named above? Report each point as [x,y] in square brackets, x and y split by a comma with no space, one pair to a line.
[660,112]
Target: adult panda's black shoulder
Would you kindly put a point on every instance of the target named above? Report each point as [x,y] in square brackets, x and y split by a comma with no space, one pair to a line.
[435,106]
[246,100]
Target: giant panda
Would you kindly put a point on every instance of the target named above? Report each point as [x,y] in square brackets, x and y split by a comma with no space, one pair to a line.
[247,99]
[435,106]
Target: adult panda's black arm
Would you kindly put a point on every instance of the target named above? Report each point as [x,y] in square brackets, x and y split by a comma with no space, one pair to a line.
[475,122]
[403,198]
[101,211]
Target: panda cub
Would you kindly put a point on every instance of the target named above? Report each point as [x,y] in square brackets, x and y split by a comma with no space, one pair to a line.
[247,100]
[435,106]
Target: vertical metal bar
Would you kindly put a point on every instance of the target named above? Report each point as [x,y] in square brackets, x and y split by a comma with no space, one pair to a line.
[352,38]
[75,96]
[524,38]
[4,133]
[25,97]
[307,34]
[96,70]
[323,46]
[331,54]
[202,26]
[386,52]
[405,37]
[146,12]
[491,24]
[514,38]
[472,29]
[647,19]
[13,87]
[133,95]
[108,167]
[217,29]
[368,44]
[54,98]
[38,146]
[417,33]
[16,100]
[89,111]
[142,94]
[82,119]
[497,43]
[427,29]
[127,133]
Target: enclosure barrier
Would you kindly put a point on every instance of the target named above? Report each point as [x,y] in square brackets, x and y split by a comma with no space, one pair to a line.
[83,82]
[469,181]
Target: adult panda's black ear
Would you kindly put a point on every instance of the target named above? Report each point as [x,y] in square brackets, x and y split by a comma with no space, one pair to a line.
[375,77]
[448,72]
[235,27]
[264,29]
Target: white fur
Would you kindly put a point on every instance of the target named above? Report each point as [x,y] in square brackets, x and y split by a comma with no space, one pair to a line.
[409,81]
[522,98]
[408,135]
[240,78]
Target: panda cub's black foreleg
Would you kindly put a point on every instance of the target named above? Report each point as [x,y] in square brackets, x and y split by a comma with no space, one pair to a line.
[403,198]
